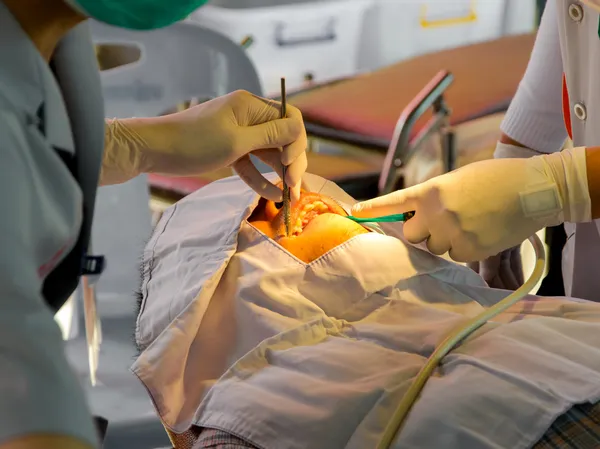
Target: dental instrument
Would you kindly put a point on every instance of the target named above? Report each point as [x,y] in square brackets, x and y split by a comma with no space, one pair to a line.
[93,328]
[286,189]
[399,417]
[384,219]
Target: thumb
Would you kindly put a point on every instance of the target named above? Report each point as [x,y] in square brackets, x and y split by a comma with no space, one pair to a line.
[393,203]
[273,134]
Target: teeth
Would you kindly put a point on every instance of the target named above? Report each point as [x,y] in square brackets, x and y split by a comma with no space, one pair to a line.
[302,220]
[320,206]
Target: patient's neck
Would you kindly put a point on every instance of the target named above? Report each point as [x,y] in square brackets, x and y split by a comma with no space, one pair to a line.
[46,22]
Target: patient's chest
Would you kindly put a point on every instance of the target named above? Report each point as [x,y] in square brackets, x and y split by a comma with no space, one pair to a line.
[371,287]
[374,292]
[321,381]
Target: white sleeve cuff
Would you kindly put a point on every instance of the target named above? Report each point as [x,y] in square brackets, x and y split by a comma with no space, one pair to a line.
[568,168]
[505,150]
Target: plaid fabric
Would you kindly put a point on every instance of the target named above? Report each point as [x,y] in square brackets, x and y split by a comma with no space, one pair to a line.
[218,439]
[185,440]
[579,428]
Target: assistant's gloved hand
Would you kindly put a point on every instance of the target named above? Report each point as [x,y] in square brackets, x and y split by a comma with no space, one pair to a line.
[504,270]
[216,134]
[485,207]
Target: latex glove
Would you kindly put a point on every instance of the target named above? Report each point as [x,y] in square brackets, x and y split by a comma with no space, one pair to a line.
[504,270]
[488,206]
[212,135]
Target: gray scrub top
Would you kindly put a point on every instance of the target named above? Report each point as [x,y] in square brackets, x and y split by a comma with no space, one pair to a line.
[41,215]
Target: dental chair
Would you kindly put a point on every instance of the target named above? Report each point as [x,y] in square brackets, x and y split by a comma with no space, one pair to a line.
[457,95]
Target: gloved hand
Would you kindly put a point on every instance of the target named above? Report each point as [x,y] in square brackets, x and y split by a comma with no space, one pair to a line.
[212,135]
[488,206]
[504,270]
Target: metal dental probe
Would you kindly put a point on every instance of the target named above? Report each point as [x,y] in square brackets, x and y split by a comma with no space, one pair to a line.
[286,190]
[93,329]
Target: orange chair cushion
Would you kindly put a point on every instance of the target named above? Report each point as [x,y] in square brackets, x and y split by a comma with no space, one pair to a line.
[485,75]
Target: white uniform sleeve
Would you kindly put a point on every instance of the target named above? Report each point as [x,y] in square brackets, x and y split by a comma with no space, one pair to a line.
[39,392]
[535,117]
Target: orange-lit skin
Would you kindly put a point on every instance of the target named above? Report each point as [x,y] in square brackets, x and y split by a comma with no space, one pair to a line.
[312,233]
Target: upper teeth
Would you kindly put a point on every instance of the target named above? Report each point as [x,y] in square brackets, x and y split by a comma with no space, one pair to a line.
[302,220]
[318,205]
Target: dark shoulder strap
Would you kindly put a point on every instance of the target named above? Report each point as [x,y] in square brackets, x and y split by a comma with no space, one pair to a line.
[76,70]
[63,280]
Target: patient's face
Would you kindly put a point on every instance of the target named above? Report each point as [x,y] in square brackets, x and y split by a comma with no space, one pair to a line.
[317,225]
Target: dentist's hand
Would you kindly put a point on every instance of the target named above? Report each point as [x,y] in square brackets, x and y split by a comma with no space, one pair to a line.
[216,134]
[486,207]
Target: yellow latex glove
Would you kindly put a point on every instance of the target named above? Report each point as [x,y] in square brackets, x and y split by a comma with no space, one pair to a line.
[504,270]
[212,135]
[486,207]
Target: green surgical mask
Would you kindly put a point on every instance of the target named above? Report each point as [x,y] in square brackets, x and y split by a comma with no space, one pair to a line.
[137,14]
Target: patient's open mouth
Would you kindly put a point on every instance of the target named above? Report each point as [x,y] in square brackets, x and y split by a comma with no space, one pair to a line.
[318,224]
[309,207]
[307,213]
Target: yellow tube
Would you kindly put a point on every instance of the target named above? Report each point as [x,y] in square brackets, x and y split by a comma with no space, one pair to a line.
[411,396]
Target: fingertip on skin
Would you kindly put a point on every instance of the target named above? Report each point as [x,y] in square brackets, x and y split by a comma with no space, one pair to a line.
[356,210]
[364,210]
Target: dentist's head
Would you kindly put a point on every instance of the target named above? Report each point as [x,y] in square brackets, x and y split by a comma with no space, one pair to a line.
[137,14]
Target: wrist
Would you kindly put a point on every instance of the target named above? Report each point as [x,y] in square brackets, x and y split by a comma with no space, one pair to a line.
[567,169]
[123,154]
[150,142]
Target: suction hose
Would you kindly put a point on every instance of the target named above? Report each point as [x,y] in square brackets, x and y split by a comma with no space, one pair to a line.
[399,416]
